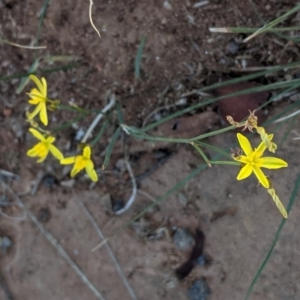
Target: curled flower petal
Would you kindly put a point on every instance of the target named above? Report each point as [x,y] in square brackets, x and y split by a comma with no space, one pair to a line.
[245,172]
[37,82]
[35,112]
[278,203]
[245,144]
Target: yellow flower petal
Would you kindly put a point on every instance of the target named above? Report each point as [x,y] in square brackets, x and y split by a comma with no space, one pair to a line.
[31,115]
[243,159]
[55,152]
[245,144]
[43,114]
[245,172]
[68,160]
[44,83]
[37,82]
[271,162]
[32,152]
[34,101]
[37,134]
[87,152]
[89,165]
[42,158]
[50,139]
[92,174]
[74,171]
[261,177]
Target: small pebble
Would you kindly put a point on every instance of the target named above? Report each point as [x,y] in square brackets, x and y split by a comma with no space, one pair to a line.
[167,5]
[44,215]
[183,239]
[5,244]
[118,204]
[201,261]
[49,180]
[199,290]
[232,47]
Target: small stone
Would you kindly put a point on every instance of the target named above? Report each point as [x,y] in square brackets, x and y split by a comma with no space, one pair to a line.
[199,290]
[106,200]
[68,183]
[201,261]
[5,244]
[182,199]
[183,239]
[118,204]
[232,47]
[167,5]
[49,180]
[44,215]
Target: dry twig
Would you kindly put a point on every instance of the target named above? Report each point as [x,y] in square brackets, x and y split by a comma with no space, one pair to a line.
[56,245]
[113,258]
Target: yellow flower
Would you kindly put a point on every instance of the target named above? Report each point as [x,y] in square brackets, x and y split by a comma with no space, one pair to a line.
[42,148]
[80,162]
[253,161]
[39,98]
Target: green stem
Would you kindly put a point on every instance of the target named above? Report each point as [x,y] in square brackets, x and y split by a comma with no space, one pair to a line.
[224,153]
[135,132]
[209,134]
[220,162]
[201,153]
[68,124]
[99,135]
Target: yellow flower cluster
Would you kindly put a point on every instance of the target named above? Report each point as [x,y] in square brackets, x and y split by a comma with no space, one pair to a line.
[45,145]
[252,161]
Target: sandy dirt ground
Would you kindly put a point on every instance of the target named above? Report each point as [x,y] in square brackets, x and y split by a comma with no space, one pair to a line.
[238,219]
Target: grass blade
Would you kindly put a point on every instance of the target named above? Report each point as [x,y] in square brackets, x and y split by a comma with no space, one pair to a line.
[42,17]
[45,71]
[24,81]
[268,87]
[138,58]
[99,135]
[110,147]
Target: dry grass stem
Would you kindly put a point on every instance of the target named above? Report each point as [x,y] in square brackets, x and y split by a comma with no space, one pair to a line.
[22,46]
[113,258]
[287,117]
[98,118]
[133,193]
[91,19]
[56,245]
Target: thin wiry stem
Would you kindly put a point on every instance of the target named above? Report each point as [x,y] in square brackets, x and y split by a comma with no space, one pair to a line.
[287,117]
[98,118]
[113,258]
[133,194]
[57,246]
[91,19]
